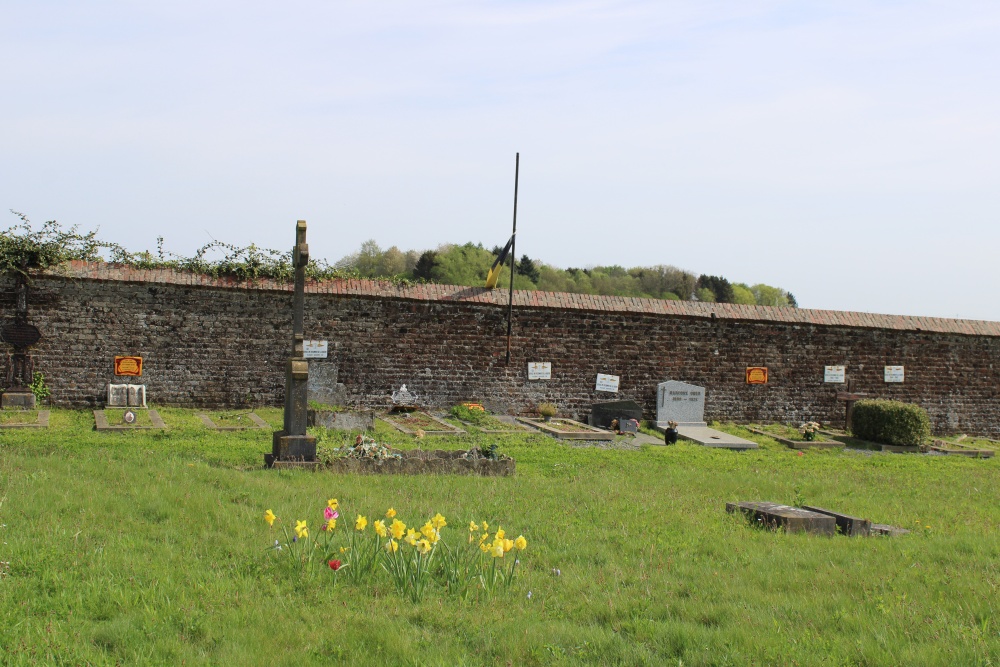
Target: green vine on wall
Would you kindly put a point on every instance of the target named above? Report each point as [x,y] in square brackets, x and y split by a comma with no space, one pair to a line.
[24,250]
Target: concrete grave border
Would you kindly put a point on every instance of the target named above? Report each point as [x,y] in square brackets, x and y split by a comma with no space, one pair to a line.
[547,428]
[42,421]
[258,423]
[101,422]
[448,430]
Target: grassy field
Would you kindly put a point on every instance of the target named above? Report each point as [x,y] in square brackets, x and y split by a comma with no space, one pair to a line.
[150,548]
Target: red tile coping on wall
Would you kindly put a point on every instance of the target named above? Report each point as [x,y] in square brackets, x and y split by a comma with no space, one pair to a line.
[535,299]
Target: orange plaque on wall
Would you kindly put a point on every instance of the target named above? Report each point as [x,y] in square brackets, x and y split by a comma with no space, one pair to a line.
[756,375]
[128,366]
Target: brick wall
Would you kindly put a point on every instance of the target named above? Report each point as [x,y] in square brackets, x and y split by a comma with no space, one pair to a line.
[209,342]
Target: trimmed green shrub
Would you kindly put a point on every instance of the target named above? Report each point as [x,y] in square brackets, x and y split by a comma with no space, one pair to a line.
[891,422]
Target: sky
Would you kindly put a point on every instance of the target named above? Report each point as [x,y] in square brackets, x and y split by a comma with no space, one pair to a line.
[848,152]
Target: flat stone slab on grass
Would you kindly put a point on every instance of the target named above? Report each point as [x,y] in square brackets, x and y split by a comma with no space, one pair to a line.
[958,449]
[799,444]
[887,530]
[421,421]
[257,422]
[343,420]
[41,421]
[101,422]
[851,526]
[420,462]
[709,437]
[791,519]
[567,429]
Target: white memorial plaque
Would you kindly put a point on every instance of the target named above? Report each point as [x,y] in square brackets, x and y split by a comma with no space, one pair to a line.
[607,382]
[540,370]
[834,374]
[314,349]
[893,373]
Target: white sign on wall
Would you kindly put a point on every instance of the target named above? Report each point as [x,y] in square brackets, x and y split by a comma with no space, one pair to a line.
[540,370]
[607,382]
[314,349]
[893,373]
[834,374]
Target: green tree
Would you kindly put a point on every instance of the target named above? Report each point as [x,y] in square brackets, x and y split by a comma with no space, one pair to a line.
[527,268]
[424,267]
[743,295]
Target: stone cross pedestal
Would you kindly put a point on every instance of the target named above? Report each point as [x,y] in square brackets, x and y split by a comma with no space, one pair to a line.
[291,443]
[20,367]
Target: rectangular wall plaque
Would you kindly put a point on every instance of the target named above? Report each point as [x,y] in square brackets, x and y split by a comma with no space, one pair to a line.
[540,370]
[834,373]
[893,373]
[607,383]
[756,375]
[314,349]
[128,366]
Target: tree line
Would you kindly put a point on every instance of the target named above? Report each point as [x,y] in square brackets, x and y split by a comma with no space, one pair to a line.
[468,264]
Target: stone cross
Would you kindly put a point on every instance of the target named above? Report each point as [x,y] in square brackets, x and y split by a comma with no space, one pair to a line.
[20,366]
[292,443]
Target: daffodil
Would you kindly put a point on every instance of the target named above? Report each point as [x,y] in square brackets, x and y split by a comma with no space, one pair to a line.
[521,543]
[269,517]
[484,547]
[484,537]
[411,537]
[397,528]
[497,549]
[500,534]
[508,545]
[360,523]
[427,530]
[331,524]
[423,546]
[300,530]
[438,521]
[332,504]
[390,513]
[380,528]
[486,527]
[392,546]
[473,528]
[434,537]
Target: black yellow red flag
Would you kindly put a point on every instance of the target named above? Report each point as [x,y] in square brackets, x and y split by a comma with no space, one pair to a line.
[491,277]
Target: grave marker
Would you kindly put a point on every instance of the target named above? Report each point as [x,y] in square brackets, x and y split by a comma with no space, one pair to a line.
[791,519]
[680,402]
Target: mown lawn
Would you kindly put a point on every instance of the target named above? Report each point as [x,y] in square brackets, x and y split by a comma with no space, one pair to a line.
[150,548]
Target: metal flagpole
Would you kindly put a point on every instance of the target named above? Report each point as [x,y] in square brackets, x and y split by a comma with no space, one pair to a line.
[513,256]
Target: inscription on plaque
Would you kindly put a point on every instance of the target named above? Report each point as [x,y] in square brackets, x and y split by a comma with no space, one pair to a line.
[540,370]
[893,373]
[834,374]
[756,375]
[20,335]
[128,366]
[606,383]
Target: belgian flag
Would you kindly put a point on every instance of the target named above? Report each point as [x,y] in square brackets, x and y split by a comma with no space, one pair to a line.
[491,277]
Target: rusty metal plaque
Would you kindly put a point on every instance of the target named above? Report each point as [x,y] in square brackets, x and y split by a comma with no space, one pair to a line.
[20,335]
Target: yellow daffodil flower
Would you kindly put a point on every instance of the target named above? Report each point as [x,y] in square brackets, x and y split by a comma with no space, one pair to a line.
[484,537]
[390,513]
[331,524]
[438,521]
[269,517]
[521,543]
[423,546]
[484,547]
[486,527]
[343,550]
[427,529]
[392,546]
[397,528]
[500,534]
[300,530]
[332,503]
[380,528]
[497,550]
[473,528]
[508,545]
[411,537]
[434,537]
[360,523]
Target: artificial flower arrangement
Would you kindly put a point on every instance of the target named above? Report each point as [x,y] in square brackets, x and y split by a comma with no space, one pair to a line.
[809,430]
[412,557]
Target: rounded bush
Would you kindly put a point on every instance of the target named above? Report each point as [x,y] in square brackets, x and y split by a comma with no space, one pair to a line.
[891,422]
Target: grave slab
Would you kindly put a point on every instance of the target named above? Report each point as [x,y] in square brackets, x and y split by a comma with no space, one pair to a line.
[790,519]
[887,530]
[42,421]
[851,526]
[709,437]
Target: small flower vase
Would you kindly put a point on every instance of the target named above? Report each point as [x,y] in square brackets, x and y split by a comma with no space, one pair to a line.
[547,418]
[809,436]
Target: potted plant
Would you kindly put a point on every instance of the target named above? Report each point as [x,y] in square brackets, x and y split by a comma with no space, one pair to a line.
[809,430]
[547,411]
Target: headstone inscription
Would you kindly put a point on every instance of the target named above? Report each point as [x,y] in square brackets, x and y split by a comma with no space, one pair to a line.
[403,397]
[680,402]
[292,443]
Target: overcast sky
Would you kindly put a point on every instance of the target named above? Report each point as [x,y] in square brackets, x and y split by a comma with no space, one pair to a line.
[846,151]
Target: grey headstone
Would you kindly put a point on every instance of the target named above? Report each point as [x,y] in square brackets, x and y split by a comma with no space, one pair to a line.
[404,397]
[680,402]
[136,395]
[791,519]
[117,395]
[323,385]
[602,414]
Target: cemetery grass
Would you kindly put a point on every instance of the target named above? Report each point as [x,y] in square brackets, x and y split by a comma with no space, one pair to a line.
[150,548]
